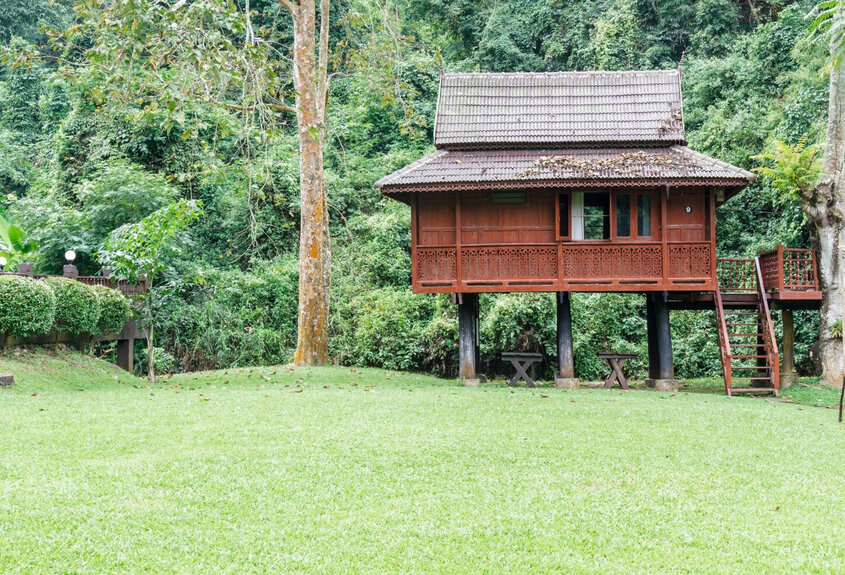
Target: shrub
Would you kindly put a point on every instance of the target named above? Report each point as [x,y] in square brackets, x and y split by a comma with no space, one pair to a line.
[234,318]
[163,360]
[77,306]
[27,306]
[114,309]
[383,328]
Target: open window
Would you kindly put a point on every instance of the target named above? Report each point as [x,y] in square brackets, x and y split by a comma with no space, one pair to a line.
[590,216]
[587,216]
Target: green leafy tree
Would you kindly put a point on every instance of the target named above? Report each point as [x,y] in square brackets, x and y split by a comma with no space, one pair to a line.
[120,192]
[143,250]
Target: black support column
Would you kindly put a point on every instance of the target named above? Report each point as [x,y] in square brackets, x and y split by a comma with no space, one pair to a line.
[661,367]
[565,376]
[124,354]
[468,337]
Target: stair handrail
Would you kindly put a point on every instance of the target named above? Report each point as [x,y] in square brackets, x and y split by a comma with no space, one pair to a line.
[769,331]
[725,348]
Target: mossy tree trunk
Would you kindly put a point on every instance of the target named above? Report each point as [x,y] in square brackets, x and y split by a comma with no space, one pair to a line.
[310,63]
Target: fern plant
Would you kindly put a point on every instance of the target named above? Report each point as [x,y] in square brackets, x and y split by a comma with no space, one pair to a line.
[792,171]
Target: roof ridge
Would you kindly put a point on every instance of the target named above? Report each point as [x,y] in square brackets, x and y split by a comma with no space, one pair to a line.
[673,71]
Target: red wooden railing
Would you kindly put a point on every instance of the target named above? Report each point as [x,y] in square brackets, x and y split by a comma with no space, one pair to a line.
[724,341]
[736,275]
[768,328]
[790,269]
[553,262]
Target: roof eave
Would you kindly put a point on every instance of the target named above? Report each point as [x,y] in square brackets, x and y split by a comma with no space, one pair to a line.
[733,185]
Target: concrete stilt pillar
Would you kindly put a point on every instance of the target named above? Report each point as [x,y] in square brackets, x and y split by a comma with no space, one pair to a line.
[787,368]
[468,337]
[661,368]
[565,376]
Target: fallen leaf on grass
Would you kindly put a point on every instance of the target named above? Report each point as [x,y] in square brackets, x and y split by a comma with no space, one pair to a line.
[543,396]
[297,390]
[34,393]
[205,399]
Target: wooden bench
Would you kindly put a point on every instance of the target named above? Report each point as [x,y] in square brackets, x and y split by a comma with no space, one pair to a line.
[522,362]
[616,361]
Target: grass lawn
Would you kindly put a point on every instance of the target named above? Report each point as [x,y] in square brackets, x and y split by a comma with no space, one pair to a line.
[339,470]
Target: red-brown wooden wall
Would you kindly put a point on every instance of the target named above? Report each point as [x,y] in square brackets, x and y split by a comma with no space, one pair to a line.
[462,241]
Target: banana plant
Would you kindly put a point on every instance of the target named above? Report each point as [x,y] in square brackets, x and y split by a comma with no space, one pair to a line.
[14,245]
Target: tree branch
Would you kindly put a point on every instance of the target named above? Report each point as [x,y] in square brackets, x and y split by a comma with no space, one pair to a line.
[291,7]
[323,62]
[239,108]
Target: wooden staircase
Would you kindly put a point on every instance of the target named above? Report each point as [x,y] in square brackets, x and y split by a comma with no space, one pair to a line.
[747,343]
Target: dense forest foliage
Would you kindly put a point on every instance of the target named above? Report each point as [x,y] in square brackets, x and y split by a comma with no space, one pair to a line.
[77,162]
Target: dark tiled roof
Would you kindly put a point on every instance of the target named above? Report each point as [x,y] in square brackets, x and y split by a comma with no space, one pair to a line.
[673,163]
[559,108]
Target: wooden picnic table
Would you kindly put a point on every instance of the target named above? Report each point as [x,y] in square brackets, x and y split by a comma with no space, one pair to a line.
[616,361]
[521,362]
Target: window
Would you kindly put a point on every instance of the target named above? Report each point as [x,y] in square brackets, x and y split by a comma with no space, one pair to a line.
[563,216]
[643,215]
[623,215]
[591,216]
[508,197]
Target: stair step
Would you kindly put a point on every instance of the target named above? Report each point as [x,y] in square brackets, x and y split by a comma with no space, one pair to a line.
[738,324]
[753,390]
[745,335]
[748,345]
[748,356]
[753,378]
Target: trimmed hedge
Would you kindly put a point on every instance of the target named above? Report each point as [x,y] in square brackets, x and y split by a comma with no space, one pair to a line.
[114,309]
[27,306]
[77,306]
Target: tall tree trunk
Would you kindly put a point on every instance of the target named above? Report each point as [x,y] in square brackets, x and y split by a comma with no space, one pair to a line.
[311,83]
[826,210]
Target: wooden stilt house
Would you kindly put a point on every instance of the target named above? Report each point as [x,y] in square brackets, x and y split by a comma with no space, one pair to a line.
[582,182]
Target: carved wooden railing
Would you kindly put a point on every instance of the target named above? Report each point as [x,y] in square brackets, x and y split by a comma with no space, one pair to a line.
[554,262]
[690,260]
[789,269]
[736,275]
[601,262]
[509,263]
[436,265]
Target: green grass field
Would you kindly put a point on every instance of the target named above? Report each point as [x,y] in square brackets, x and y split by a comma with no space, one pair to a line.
[339,470]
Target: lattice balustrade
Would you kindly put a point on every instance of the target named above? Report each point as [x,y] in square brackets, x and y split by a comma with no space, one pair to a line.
[799,270]
[736,274]
[789,269]
[690,260]
[511,263]
[612,262]
[436,264]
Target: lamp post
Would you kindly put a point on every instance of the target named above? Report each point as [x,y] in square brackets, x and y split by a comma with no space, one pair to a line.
[69,270]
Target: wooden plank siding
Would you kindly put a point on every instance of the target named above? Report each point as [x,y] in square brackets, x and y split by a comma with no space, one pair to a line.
[465,242]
